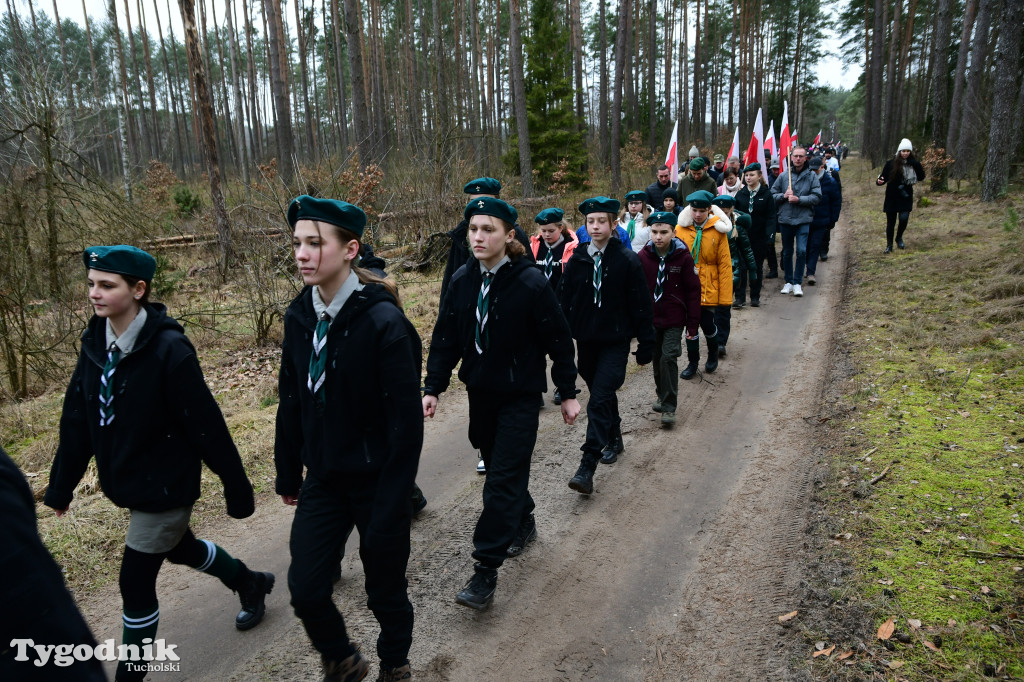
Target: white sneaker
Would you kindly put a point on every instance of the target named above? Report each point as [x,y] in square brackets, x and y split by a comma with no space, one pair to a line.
[481,468]
[798,290]
[788,289]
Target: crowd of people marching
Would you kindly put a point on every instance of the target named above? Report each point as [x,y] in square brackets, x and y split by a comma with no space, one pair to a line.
[658,268]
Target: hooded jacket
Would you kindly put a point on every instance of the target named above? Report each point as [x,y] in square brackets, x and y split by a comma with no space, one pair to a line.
[762,211]
[459,253]
[167,424]
[370,420]
[805,186]
[714,262]
[826,213]
[524,323]
[679,305]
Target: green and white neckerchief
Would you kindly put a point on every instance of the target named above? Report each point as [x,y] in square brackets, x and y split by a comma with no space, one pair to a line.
[597,279]
[318,358]
[549,263]
[107,385]
[483,305]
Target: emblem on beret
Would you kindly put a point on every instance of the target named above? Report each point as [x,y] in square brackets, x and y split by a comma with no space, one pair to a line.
[93,257]
[477,189]
[479,204]
[590,205]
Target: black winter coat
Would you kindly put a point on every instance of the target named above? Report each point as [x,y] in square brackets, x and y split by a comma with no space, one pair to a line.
[826,213]
[625,311]
[762,212]
[899,196]
[524,324]
[370,421]
[459,253]
[166,425]
[32,592]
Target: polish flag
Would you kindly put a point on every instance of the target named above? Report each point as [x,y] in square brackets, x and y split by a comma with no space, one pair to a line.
[734,150]
[785,143]
[817,140]
[755,151]
[672,158]
[770,143]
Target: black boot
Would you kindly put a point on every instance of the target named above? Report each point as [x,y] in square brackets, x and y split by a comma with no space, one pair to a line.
[583,481]
[351,669]
[479,591]
[693,356]
[557,400]
[253,588]
[526,534]
[610,452]
[712,364]
[419,502]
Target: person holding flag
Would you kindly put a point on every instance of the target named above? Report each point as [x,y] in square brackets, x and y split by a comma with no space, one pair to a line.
[796,191]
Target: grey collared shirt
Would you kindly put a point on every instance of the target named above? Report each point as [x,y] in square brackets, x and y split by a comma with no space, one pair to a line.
[593,250]
[126,342]
[348,287]
[494,270]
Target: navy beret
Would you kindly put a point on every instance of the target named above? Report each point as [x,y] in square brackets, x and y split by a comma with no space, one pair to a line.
[340,213]
[492,207]
[700,199]
[549,215]
[752,167]
[599,205]
[636,195]
[662,217]
[724,200]
[120,260]
[483,186]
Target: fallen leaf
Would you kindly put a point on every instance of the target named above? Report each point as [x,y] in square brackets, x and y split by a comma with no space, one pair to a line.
[885,582]
[845,655]
[893,665]
[914,623]
[950,622]
[789,616]
[824,652]
[931,645]
[985,590]
[886,629]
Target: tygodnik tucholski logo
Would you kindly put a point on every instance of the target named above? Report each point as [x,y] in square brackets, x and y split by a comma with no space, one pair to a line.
[152,656]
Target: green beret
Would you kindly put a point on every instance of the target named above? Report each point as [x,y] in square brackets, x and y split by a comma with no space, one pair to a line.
[636,195]
[662,217]
[548,216]
[492,207]
[483,186]
[670,193]
[724,201]
[697,164]
[339,213]
[121,260]
[700,199]
[752,167]
[599,205]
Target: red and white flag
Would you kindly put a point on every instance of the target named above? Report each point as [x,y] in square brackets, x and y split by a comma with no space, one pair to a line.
[817,140]
[734,150]
[770,142]
[672,158]
[794,140]
[785,143]
[755,151]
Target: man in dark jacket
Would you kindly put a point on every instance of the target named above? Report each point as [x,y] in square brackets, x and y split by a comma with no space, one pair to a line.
[656,190]
[458,252]
[826,213]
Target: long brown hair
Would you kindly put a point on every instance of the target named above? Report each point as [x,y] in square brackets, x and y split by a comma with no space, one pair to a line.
[514,249]
[898,164]
[364,275]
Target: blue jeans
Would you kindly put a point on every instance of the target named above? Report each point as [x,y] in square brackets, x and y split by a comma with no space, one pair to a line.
[789,232]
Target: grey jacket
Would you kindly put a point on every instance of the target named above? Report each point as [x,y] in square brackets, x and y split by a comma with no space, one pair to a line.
[805,186]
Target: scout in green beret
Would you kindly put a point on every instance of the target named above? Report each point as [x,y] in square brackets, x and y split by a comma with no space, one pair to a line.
[601,204]
[695,178]
[755,199]
[482,187]
[552,247]
[700,199]
[350,430]
[633,219]
[138,403]
[499,319]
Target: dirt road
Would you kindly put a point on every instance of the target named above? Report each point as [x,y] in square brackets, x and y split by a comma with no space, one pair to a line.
[677,568]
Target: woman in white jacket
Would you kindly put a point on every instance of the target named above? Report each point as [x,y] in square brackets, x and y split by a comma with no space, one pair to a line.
[633,219]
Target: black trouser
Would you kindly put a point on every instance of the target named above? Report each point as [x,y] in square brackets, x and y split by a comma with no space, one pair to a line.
[667,349]
[773,262]
[503,427]
[707,325]
[760,249]
[890,224]
[723,320]
[324,513]
[826,240]
[603,367]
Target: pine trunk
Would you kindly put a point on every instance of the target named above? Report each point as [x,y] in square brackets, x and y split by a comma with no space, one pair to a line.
[1001,143]
[519,95]
[960,75]
[279,86]
[361,123]
[602,123]
[620,76]
[971,122]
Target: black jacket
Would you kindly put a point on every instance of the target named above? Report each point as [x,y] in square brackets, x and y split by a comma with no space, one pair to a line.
[899,196]
[32,593]
[524,324]
[459,253]
[625,311]
[762,214]
[166,424]
[370,421]
[826,213]
[656,194]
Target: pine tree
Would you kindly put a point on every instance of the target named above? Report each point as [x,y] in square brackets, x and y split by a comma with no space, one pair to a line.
[555,133]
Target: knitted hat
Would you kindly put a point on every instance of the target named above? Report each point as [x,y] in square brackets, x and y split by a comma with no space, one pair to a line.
[905,144]
[341,213]
[670,193]
[120,260]
[694,151]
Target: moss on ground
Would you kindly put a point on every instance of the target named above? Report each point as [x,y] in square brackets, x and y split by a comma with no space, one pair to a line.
[937,406]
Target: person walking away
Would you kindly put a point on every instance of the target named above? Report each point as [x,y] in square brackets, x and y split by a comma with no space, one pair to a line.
[675,291]
[899,175]
[826,213]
